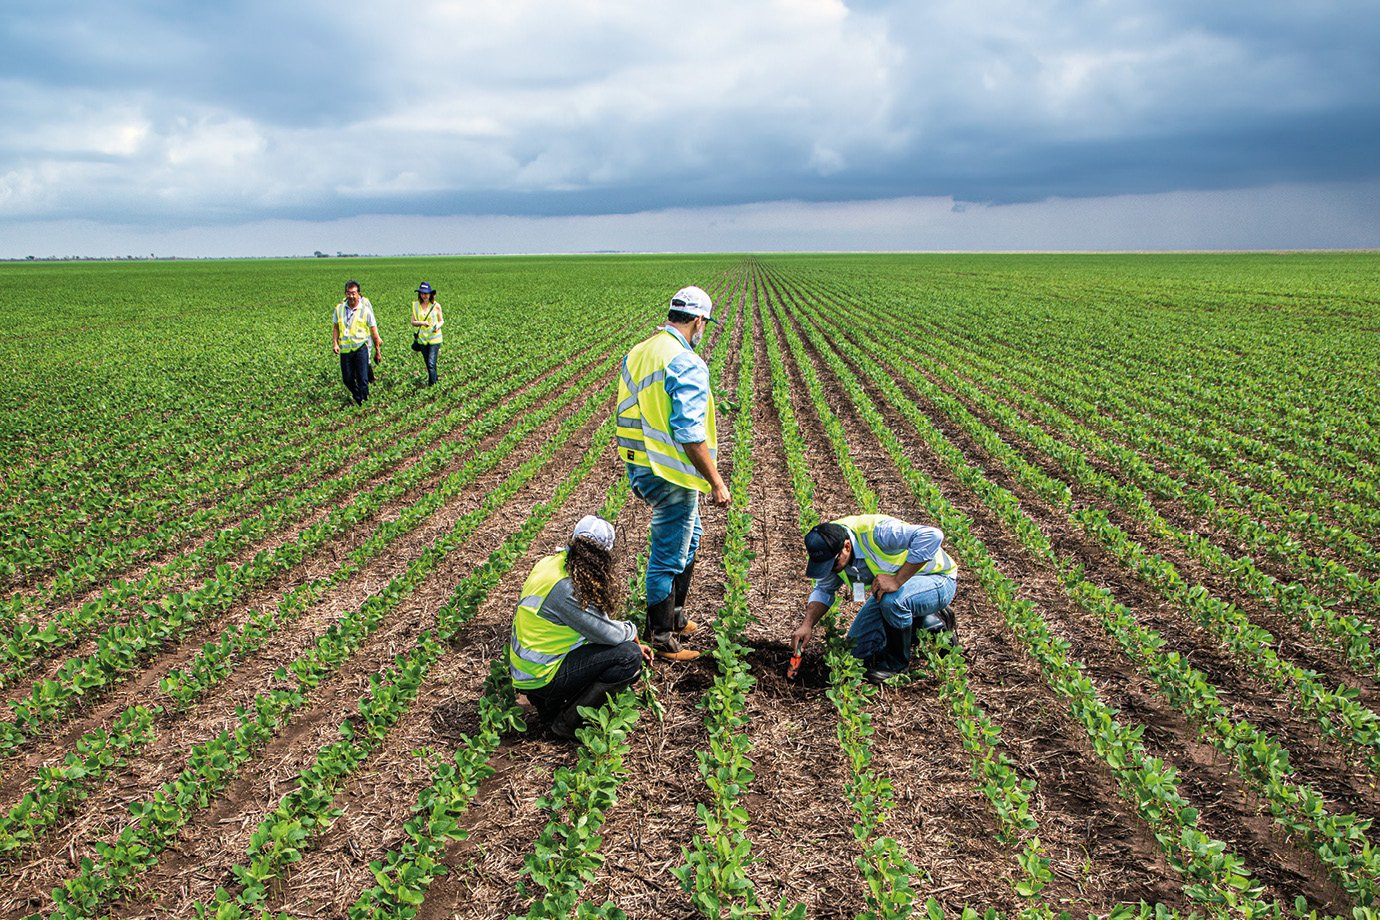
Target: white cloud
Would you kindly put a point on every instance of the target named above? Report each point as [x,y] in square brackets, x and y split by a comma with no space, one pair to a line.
[214,144]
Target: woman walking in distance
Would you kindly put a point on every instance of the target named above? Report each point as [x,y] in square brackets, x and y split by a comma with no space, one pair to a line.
[426,322]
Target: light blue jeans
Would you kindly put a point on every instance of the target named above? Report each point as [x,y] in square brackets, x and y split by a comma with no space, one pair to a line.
[907,605]
[675,528]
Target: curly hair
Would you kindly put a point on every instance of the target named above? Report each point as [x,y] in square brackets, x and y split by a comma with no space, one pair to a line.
[590,567]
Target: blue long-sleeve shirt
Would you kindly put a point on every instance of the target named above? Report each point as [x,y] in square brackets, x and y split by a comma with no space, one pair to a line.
[687,383]
[891,536]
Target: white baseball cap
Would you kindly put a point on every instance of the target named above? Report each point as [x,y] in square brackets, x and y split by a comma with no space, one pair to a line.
[692,300]
[595,529]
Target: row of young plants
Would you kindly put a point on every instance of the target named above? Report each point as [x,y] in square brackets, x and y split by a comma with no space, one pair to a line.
[403,875]
[1258,518]
[884,864]
[212,764]
[1339,841]
[566,855]
[122,649]
[1338,713]
[714,873]
[1214,876]
[57,789]
[217,659]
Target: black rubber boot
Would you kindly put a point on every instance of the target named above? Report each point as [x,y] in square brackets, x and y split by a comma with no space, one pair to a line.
[661,635]
[943,621]
[681,590]
[564,725]
[894,657]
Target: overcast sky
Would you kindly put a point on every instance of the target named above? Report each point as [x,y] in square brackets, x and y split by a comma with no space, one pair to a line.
[262,128]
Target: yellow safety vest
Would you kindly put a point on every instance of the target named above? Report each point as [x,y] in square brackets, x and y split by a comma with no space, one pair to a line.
[644,414]
[538,646]
[427,336]
[356,332]
[862,526]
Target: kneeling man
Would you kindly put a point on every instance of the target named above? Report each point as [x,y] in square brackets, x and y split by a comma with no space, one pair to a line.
[901,572]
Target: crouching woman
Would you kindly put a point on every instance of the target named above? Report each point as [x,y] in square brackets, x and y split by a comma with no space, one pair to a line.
[566,651]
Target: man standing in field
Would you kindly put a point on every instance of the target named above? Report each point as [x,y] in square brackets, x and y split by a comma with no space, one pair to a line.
[666,437]
[902,571]
[354,326]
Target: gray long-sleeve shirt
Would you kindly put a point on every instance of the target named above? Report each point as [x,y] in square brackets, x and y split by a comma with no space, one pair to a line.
[561,607]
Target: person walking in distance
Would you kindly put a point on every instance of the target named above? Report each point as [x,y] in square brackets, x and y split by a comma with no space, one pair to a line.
[667,440]
[353,328]
[566,651]
[426,323]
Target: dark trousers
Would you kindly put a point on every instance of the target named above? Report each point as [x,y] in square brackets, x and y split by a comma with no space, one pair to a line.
[354,370]
[617,665]
[429,356]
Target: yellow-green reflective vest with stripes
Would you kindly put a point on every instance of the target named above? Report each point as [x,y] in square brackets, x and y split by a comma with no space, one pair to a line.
[862,526]
[538,646]
[356,332]
[644,414]
[426,335]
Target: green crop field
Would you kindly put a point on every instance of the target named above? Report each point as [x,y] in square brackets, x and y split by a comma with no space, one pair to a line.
[250,632]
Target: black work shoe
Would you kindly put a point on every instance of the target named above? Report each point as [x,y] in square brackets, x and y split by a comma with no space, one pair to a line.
[939,622]
[878,676]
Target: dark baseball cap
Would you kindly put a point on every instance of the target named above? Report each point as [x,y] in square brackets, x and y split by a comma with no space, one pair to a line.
[823,543]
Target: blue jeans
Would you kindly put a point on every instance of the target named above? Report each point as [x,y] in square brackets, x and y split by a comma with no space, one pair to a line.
[354,370]
[902,608]
[675,528]
[429,356]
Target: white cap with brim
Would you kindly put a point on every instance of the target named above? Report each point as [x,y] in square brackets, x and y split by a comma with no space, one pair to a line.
[692,300]
[595,529]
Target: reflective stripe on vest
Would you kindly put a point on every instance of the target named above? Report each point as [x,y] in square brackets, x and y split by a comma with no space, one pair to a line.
[879,561]
[538,646]
[356,333]
[428,335]
[644,414]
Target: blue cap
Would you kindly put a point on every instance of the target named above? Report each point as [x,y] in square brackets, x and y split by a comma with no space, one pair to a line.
[424,288]
[823,543]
